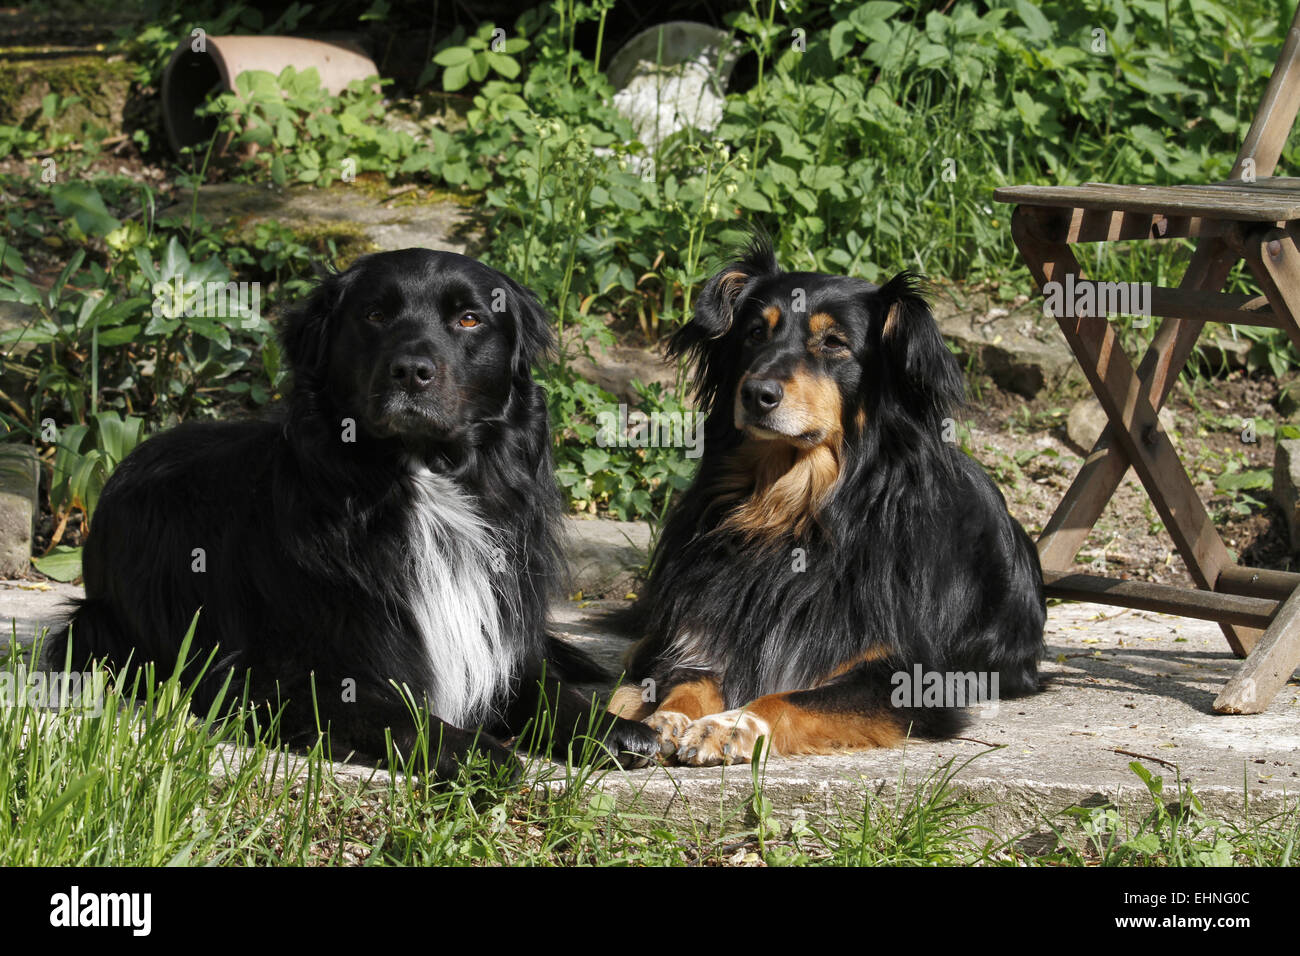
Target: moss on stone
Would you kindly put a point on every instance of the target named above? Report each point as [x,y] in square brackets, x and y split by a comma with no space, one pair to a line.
[375,186]
[350,241]
[102,86]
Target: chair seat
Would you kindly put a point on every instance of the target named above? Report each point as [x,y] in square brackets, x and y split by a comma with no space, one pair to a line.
[1271,199]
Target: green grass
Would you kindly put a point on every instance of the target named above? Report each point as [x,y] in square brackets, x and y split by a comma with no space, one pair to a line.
[150,783]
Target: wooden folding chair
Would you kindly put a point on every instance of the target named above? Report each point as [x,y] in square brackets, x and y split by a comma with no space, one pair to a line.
[1252,216]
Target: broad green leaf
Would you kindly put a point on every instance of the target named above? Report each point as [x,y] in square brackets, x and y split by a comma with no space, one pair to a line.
[85,205]
[453,56]
[62,564]
[1039,27]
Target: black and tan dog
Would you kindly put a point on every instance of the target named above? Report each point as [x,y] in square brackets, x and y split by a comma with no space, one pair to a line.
[835,552]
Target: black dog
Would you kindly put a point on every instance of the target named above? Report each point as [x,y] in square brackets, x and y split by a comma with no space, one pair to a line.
[397,527]
[837,560]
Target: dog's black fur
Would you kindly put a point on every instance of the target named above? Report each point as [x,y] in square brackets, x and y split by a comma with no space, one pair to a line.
[835,536]
[398,524]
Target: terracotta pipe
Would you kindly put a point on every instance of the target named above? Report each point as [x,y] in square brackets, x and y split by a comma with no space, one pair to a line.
[191,77]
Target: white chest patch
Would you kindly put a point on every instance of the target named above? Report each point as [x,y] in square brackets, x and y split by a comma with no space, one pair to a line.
[451,557]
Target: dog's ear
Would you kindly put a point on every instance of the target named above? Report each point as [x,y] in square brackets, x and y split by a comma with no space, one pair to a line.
[715,310]
[715,314]
[929,378]
[533,336]
[304,329]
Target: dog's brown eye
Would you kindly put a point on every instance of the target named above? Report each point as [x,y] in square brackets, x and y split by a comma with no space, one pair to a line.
[757,333]
[834,343]
[468,320]
[376,317]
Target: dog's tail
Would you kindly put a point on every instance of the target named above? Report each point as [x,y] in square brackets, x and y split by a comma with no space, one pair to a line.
[570,664]
[93,631]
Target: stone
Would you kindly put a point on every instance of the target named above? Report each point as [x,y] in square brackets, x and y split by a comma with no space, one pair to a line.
[1020,350]
[349,212]
[1223,353]
[1087,420]
[15,315]
[606,558]
[672,76]
[1140,683]
[20,474]
[96,90]
[614,368]
[1085,424]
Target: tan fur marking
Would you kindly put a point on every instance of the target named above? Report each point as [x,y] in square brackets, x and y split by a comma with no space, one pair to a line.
[731,284]
[798,730]
[772,315]
[694,698]
[626,702]
[785,486]
[818,397]
[860,419]
[870,654]
[820,322]
[891,319]
[783,483]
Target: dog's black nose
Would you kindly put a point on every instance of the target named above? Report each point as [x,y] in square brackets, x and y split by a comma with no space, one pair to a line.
[412,372]
[761,395]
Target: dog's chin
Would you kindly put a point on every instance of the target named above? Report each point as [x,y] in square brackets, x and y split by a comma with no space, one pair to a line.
[408,419]
[799,434]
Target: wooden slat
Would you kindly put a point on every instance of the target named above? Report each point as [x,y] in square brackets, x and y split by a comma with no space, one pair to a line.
[1092,225]
[1226,308]
[1257,582]
[1165,598]
[1239,203]
[1274,261]
[1271,184]
[1269,666]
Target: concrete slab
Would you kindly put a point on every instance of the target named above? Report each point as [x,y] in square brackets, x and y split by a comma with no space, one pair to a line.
[1125,686]
[28,606]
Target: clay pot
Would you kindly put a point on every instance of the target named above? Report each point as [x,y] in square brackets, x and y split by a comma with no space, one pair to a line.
[192,76]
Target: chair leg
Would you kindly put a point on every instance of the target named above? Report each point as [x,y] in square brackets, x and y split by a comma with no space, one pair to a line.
[1268,667]
[1275,262]
[1105,466]
[1134,428]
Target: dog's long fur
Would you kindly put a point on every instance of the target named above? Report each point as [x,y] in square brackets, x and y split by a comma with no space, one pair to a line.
[832,541]
[396,526]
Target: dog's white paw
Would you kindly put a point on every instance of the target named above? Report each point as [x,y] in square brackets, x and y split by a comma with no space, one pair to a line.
[724,738]
[669,724]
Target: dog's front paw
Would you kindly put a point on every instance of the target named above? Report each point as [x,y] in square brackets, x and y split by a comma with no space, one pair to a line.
[668,726]
[728,737]
[633,744]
